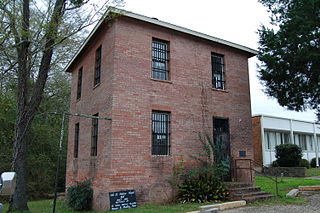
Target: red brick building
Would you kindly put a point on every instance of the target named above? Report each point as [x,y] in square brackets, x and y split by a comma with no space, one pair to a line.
[161,85]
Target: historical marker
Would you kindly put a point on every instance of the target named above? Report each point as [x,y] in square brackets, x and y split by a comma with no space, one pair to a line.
[122,200]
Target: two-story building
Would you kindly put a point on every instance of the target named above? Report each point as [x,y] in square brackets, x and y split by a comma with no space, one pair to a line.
[161,85]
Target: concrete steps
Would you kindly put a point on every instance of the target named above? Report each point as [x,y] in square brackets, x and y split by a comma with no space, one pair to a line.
[247,192]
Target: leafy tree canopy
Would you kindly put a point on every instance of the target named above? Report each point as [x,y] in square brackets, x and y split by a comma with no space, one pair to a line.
[290,53]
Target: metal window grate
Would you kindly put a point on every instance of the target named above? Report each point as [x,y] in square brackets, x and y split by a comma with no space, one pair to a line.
[94,138]
[76,140]
[97,70]
[160,133]
[79,85]
[160,60]
[218,80]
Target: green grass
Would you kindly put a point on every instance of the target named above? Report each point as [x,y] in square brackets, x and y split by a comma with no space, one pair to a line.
[313,172]
[45,206]
[284,186]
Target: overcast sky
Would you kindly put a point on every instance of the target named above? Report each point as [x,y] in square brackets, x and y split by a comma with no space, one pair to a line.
[233,20]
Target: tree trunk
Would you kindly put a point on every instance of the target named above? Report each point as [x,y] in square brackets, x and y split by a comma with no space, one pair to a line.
[27,105]
[19,199]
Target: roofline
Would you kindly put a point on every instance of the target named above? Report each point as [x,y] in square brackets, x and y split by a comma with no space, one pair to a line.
[122,12]
[279,117]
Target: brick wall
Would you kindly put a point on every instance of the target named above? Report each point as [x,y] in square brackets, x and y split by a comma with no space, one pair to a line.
[257,147]
[128,95]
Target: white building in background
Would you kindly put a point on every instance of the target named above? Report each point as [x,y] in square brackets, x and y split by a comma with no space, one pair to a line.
[270,131]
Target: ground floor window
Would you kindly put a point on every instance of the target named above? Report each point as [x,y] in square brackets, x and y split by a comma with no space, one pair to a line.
[273,138]
[160,133]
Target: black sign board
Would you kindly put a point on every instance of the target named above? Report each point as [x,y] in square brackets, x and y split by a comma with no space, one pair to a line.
[122,200]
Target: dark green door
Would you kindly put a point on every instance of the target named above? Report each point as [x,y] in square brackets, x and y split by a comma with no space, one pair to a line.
[221,139]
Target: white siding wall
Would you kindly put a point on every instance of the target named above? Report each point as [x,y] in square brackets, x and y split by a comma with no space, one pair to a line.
[279,130]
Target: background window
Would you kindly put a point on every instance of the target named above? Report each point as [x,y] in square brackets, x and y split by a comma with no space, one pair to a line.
[160,60]
[97,69]
[76,140]
[94,138]
[79,85]
[217,64]
[160,133]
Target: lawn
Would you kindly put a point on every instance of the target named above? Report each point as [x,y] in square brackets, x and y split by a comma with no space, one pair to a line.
[284,186]
[45,206]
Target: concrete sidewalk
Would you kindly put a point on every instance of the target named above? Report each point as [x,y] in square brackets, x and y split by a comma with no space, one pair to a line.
[312,207]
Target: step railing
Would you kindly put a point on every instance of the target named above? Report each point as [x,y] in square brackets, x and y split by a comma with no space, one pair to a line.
[252,169]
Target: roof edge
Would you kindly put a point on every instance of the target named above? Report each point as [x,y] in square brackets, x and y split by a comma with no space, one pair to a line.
[284,118]
[252,52]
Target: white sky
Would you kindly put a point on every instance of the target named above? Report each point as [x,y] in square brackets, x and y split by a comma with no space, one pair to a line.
[233,20]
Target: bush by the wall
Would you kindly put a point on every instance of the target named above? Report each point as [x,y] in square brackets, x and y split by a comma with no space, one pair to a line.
[313,162]
[202,187]
[304,163]
[79,196]
[288,155]
[274,164]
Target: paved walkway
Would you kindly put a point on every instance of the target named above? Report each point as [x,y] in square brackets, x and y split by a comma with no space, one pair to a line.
[311,207]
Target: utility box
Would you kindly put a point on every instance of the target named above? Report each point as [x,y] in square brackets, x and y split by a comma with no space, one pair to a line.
[7,183]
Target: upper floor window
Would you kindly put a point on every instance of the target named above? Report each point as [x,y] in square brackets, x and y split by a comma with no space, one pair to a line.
[160,59]
[79,84]
[76,140]
[160,133]
[94,136]
[218,78]
[97,68]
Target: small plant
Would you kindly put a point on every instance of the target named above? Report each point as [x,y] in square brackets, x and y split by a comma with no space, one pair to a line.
[274,164]
[79,196]
[288,155]
[176,180]
[304,163]
[208,158]
[313,162]
[203,187]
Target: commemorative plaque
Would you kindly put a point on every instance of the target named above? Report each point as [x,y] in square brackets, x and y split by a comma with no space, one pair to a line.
[122,200]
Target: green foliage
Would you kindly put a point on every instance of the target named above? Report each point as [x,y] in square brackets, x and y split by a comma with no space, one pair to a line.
[304,163]
[7,121]
[202,187]
[313,162]
[204,183]
[207,157]
[43,136]
[176,180]
[288,155]
[79,196]
[275,164]
[289,52]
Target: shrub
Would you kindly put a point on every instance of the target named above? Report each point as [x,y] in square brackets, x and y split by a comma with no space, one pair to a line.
[288,155]
[201,186]
[304,163]
[313,162]
[274,164]
[79,196]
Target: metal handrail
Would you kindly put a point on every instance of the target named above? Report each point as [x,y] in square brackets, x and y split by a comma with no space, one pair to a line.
[273,178]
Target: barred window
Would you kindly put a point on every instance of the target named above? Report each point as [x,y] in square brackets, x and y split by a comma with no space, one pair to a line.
[76,140]
[79,85]
[160,59]
[94,138]
[160,133]
[97,69]
[218,79]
